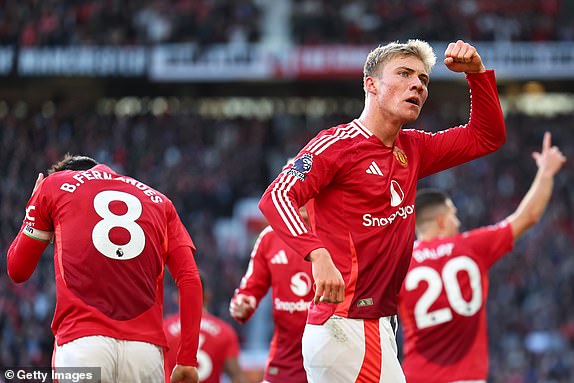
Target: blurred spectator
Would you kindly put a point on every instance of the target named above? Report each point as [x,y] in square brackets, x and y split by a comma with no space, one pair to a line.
[33,23]
[371,21]
[114,22]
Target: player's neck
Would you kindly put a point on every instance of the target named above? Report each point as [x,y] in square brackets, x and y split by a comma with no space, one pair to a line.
[431,234]
[384,129]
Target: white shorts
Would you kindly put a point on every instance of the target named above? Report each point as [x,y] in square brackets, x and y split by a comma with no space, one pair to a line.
[344,350]
[120,360]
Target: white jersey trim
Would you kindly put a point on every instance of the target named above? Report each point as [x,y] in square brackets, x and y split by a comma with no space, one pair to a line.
[283,205]
[366,132]
[40,235]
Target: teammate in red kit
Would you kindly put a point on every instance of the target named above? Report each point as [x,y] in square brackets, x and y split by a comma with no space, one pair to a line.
[442,301]
[363,177]
[218,345]
[112,237]
[274,265]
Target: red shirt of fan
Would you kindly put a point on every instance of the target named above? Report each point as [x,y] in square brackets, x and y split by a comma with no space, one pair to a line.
[217,342]
[112,235]
[274,265]
[442,305]
[364,194]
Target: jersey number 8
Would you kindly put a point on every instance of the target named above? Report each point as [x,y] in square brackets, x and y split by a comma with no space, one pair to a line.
[425,318]
[101,232]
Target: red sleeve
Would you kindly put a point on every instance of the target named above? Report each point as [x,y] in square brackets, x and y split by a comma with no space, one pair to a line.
[33,237]
[172,333]
[314,168]
[182,267]
[484,133]
[176,231]
[491,242]
[257,278]
[232,350]
[24,254]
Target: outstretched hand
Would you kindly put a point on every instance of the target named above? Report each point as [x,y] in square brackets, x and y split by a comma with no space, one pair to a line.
[463,57]
[550,159]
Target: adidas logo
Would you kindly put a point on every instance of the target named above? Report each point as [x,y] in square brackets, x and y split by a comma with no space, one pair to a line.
[374,169]
[280,258]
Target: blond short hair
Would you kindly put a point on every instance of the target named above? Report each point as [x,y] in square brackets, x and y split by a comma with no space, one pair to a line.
[383,53]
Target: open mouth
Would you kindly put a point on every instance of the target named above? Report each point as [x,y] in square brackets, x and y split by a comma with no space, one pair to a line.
[413,100]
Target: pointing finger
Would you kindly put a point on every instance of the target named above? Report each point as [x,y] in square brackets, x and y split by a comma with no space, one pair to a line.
[546,143]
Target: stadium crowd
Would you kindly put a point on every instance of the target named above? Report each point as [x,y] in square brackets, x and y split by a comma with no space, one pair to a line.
[370,21]
[112,22]
[208,166]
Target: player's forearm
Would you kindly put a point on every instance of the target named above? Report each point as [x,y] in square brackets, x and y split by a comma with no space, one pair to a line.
[486,116]
[184,270]
[190,307]
[257,280]
[533,204]
[23,256]
[282,213]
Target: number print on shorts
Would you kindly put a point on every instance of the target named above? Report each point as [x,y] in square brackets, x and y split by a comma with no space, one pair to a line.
[204,363]
[100,233]
[423,317]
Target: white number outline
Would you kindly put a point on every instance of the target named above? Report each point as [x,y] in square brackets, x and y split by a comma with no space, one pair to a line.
[204,363]
[449,281]
[101,231]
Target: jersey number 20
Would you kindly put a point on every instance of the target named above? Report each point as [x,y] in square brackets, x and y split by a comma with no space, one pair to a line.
[447,279]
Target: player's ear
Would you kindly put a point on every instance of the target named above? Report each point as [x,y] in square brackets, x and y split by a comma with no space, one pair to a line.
[370,85]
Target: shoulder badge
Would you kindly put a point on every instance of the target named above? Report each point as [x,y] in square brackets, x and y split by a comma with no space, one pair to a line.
[301,166]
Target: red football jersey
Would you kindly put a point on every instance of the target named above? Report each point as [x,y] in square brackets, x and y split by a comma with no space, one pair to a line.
[274,265]
[364,197]
[442,305]
[106,224]
[217,342]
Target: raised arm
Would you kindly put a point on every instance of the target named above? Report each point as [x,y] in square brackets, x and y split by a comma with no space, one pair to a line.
[463,57]
[532,206]
[485,131]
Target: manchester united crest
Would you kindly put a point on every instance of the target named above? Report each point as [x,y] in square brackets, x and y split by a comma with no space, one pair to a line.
[400,156]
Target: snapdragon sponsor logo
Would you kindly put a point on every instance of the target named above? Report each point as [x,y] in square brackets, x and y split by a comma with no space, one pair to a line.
[403,212]
[291,306]
[301,284]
